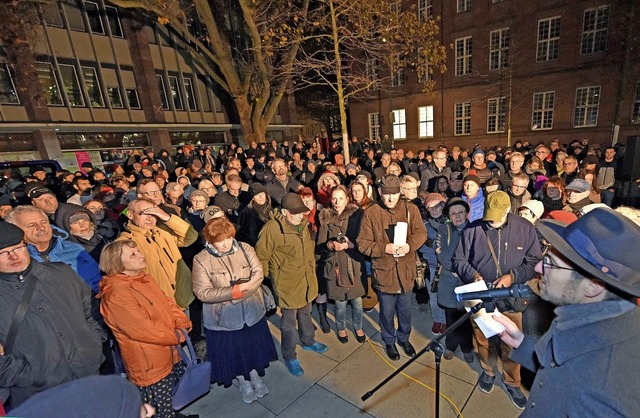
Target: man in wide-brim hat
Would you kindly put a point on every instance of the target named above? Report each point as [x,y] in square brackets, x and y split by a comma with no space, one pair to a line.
[587,361]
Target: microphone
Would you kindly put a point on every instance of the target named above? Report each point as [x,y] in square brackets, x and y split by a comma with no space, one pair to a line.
[515,291]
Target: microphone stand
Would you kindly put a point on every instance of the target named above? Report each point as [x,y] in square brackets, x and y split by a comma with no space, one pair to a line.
[438,349]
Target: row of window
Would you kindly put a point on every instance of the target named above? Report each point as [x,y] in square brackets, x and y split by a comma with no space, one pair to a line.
[587,103]
[594,39]
[99,18]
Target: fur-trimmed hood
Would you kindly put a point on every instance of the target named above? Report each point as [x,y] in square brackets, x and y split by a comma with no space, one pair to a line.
[330,216]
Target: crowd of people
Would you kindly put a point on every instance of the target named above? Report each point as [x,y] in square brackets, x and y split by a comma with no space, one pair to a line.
[113,265]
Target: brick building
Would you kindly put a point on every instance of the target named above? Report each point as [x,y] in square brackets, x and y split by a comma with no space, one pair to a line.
[112,82]
[537,70]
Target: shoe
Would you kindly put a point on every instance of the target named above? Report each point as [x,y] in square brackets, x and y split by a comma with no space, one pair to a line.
[344,339]
[294,367]
[259,388]
[485,383]
[322,313]
[443,327]
[468,357]
[369,310]
[436,328]
[392,351]
[361,338]
[316,347]
[517,397]
[408,348]
[248,394]
[448,355]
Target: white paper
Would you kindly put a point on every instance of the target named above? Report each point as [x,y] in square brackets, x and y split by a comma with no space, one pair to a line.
[400,233]
[483,319]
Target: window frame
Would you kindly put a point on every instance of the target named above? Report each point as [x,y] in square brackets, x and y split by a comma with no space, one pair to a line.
[426,122]
[498,53]
[463,6]
[589,37]
[498,117]
[112,12]
[11,90]
[176,92]
[463,63]
[462,118]
[397,75]
[164,99]
[371,69]
[585,107]
[550,43]
[374,128]
[399,124]
[94,14]
[635,112]
[96,79]
[425,10]
[112,103]
[191,95]
[55,79]
[68,89]
[545,111]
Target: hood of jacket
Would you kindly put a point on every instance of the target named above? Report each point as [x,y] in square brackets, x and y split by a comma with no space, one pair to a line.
[108,282]
[330,216]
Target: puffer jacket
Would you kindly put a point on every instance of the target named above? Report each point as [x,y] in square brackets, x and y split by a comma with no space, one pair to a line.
[288,260]
[476,205]
[213,276]
[391,274]
[164,261]
[342,270]
[144,321]
[72,254]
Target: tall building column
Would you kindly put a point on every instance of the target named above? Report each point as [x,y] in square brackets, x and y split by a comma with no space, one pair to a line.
[46,140]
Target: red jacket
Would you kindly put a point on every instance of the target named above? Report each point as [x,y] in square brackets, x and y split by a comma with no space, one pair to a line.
[144,321]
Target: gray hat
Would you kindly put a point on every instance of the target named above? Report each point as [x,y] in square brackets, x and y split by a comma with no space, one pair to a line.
[579,185]
[294,204]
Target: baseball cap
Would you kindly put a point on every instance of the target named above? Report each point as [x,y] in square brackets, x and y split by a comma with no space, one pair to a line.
[579,185]
[535,206]
[495,206]
[34,190]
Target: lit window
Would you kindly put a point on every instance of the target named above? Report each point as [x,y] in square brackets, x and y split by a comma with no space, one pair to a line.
[132,98]
[49,83]
[191,98]
[464,6]
[176,93]
[425,10]
[499,49]
[163,92]
[594,30]
[92,84]
[71,85]
[115,98]
[399,124]
[425,121]
[463,118]
[8,94]
[463,56]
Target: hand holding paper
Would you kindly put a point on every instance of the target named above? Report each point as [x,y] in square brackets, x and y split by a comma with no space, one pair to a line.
[483,319]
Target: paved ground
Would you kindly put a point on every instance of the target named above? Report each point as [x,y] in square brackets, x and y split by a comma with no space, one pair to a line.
[334,382]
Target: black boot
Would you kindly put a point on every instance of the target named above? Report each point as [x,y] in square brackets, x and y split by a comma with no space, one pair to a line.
[322,313]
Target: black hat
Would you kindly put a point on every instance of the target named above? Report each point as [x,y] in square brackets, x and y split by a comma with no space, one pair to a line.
[36,168]
[598,243]
[390,184]
[294,204]
[35,189]
[10,235]
[257,188]
[5,200]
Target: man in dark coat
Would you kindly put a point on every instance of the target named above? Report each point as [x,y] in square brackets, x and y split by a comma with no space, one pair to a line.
[57,340]
[587,361]
[515,246]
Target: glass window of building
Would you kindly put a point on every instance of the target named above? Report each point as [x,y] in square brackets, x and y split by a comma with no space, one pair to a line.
[548,39]
[594,30]
[8,94]
[463,118]
[542,116]
[425,121]
[399,124]
[463,56]
[499,49]
[115,98]
[49,83]
[191,97]
[132,98]
[176,93]
[496,115]
[71,85]
[114,22]
[95,21]
[374,126]
[425,10]
[371,67]
[92,84]
[636,105]
[587,105]
[163,92]
[464,6]
[52,14]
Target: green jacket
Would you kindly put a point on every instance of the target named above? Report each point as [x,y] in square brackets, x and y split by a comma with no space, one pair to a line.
[287,256]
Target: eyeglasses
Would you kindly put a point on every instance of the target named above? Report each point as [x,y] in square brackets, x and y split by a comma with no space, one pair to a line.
[95,208]
[546,264]
[152,192]
[7,253]
[517,186]
[460,213]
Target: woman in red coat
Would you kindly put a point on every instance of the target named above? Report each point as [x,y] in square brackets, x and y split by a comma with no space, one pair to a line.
[144,321]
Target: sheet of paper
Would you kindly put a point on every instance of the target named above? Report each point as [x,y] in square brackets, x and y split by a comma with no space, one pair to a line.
[400,233]
[482,318]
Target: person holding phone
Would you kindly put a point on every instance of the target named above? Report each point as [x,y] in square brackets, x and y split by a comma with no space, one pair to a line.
[227,278]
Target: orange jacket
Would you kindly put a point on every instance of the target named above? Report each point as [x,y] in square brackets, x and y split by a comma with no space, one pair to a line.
[144,321]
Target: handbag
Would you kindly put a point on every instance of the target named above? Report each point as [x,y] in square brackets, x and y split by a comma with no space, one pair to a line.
[510,303]
[267,295]
[196,380]
[422,268]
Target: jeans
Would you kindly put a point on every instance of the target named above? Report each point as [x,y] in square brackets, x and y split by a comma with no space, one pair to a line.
[390,306]
[289,332]
[356,313]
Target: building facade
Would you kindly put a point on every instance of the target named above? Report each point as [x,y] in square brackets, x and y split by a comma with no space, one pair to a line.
[113,82]
[516,70]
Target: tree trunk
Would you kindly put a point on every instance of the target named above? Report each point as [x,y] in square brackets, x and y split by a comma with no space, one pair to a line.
[254,127]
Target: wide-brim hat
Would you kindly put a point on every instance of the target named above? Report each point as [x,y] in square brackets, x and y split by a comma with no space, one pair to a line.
[599,243]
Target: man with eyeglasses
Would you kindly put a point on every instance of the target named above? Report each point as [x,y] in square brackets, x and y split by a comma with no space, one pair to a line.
[515,163]
[149,189]
[429,176]
[544,153]
[160,246]
[502,249]
[570,169]
[586,363]
[518,193]
[55,340]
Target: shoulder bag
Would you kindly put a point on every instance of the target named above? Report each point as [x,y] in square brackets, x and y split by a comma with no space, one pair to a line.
[267,294]
[196,380]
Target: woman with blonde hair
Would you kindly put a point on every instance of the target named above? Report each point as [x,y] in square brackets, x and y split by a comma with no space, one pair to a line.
[145,323]
[227,278]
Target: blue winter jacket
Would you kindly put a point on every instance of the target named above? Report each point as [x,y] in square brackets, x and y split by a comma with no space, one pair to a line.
[72,254]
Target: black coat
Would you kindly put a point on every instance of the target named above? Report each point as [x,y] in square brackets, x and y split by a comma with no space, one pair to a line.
[58,340]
